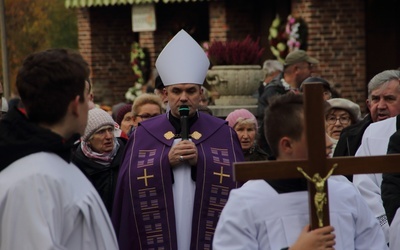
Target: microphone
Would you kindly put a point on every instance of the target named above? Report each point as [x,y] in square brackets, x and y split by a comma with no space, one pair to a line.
[184,112]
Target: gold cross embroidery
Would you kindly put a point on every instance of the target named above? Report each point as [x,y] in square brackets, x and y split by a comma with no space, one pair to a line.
[221,175]
[145,177]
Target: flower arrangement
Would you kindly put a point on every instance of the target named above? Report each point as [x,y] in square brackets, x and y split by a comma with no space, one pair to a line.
[139,62]
[140,65]
[205,45]
[245,52]
[134,92]
[287,37]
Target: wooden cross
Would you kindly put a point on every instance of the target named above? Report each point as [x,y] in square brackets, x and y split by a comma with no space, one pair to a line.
[317,163]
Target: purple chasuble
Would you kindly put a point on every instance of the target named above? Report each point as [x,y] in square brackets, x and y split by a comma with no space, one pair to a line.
[143,212]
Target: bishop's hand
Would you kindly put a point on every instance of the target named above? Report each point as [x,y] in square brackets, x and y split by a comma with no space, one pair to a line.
[183,151]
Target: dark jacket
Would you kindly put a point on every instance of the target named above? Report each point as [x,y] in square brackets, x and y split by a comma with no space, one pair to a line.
[275,87]
[255,154]
[19,137]
[103,178]
[390,187]
[350,138]
[390,192]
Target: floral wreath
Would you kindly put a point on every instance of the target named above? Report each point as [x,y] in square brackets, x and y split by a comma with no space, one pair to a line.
[139,63]
[134,92]
[286,37]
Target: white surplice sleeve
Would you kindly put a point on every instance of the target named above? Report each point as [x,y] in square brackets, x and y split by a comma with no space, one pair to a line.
[375,142]
[46,203]
[236,228]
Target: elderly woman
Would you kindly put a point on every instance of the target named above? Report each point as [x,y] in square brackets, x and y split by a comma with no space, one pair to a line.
[245,125]
[340,114]
[99,154]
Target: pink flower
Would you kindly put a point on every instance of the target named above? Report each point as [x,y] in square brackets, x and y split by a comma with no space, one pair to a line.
[287,30]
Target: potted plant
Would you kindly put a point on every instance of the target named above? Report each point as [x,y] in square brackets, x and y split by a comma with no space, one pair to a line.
[236,71]
[245,52]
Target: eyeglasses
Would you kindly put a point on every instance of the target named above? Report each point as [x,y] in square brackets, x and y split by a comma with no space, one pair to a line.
[146,116]
[344,120]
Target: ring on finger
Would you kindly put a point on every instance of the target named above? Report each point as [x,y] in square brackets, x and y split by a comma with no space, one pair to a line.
[181,158]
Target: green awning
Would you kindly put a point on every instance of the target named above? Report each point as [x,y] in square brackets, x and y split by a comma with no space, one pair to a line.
[93,3]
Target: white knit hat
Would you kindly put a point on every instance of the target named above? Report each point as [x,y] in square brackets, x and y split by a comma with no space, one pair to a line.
[97,118]
[234,116]
[182,61]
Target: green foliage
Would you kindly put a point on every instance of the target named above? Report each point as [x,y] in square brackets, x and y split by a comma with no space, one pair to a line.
[63,31]
[34,25]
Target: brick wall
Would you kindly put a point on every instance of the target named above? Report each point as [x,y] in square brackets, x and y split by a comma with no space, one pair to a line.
[84,32]
[218,22]
[234,20]
[105,38]
[337,39]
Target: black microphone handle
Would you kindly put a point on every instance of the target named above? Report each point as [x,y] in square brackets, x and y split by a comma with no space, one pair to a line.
[184,128]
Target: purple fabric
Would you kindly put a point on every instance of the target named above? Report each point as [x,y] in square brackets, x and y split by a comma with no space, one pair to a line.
[143,217]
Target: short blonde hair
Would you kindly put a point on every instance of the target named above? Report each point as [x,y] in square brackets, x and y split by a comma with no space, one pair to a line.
[245,121]
[146,99]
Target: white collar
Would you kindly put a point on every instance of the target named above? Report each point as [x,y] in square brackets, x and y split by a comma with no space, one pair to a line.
[285,84]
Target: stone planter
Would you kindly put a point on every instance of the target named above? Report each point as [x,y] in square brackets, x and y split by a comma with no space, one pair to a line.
[235,84]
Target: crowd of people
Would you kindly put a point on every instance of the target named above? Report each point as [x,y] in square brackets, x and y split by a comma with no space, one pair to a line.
[158,173]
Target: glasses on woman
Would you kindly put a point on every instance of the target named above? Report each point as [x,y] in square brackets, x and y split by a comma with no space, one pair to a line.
[344,120]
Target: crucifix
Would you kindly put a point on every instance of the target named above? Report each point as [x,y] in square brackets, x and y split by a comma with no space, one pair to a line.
[317,168]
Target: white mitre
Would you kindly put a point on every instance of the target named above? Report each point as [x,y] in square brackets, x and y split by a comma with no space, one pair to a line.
[182,61]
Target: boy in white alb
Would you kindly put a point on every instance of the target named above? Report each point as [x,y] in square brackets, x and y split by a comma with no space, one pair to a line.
[271,214]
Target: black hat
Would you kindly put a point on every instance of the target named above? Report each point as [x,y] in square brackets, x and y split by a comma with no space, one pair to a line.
[325,83]
[159,84]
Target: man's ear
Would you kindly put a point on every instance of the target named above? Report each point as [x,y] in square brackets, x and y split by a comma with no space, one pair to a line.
[368,104]
[285,145]
[74,106]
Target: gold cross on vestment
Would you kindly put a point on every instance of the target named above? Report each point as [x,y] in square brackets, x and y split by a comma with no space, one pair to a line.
[317,165]
[145,177]
[221,175]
